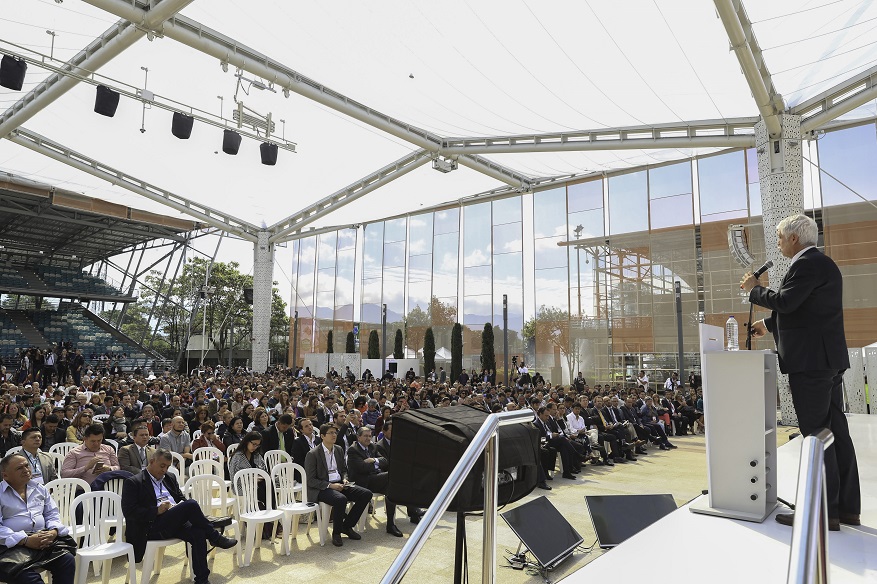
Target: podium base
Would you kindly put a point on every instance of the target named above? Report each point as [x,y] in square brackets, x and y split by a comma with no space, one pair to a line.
[701,505]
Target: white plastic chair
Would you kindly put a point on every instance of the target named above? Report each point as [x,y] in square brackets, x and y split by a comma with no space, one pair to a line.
[57,460]
[283,479]
[201,488]
[63,448]
[154,556]
[275,457]
[63,491]
[100,509]
[14,450]
[211,468]
[113,443]
[173,470]
[229,452]
[246,483]
[114,486]
[209,453]
[180,463]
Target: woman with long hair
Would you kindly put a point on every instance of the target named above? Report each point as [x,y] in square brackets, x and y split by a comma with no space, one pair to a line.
[37,417]
[261,421]
[247,414]
[116,425]
[80,422]
[248,456]
[234,434]
[18,418]
[202,414]
[312,408]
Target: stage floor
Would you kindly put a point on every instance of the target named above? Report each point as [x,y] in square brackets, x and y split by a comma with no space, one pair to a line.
[685,546]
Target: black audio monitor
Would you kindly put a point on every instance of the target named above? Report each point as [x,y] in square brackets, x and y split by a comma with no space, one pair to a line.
[543,530]
[618,517]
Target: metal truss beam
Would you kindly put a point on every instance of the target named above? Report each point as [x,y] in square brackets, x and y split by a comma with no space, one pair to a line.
[743,42]
[347,195]
[230,52]
[844,97]
[731,133]
[54,150]
[98,53]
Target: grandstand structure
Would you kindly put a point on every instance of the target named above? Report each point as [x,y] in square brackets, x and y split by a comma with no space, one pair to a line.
[54,243]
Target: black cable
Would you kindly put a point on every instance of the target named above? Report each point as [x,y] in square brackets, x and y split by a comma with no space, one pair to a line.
[786,503]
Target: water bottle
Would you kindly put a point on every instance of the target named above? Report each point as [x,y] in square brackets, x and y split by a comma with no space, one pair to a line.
[731,343]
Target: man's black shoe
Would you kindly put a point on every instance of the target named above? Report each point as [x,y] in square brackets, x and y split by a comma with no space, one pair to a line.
[351,534]
[336,539]
[224,543]
[415,519]
[609,462]
[544,486]
[393,530]
[629,455]
[619,460]
[789,519]
[673,446]
[569,476]
[641,450]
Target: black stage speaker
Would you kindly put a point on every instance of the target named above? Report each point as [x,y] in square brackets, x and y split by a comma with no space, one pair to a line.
[543,531]
[231,142]
[181,126]
[618,517]
[248,295]
[428,443]
[393,367]
[12,73]
[106,101]
[269,153]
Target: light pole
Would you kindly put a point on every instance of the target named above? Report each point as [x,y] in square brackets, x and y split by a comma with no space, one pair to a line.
[51,33]
[206,295]
[578,231]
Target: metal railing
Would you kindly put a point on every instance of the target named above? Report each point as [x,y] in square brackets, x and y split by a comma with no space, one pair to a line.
[808,556]
[486,440]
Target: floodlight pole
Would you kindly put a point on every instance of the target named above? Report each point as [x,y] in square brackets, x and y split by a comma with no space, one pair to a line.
[383,340]
[505,337]
[295,341]
[678,289]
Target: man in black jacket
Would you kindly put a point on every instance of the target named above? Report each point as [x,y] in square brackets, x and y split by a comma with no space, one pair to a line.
[306,441]
[368,469]
[807,323]
[154,508]
[280,436]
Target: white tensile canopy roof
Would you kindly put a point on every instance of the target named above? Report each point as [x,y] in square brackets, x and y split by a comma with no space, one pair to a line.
[374,83]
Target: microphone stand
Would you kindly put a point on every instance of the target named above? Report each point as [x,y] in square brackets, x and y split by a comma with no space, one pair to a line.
[749,329]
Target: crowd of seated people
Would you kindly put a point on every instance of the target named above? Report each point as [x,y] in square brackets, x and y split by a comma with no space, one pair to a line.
[294,411]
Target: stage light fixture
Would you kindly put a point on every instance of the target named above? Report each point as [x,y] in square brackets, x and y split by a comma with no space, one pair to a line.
[181,126]
[106,101]
[12,73]
[738,247]
[231,142]
[268,152]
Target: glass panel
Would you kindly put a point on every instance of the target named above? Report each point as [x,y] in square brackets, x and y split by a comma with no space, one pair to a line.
[850,155]
[550,213]
[628,205]
[445,264]
[373,251]
[344,284]
[585,196]
[420,236]
[507,238]
[722,185]
[549,254]
[447,221]
[325,306]
[328,241]
[551,288]
[672,211]
[418,296]
[506,210]
[477,311]
[477,281]
[394,230]
[420,268]
[371,301]
[591,222]
[507,273]
[666,181]
[394,291]
[476,237]
[347,239]
[752,179]
[326,280]
[394,254]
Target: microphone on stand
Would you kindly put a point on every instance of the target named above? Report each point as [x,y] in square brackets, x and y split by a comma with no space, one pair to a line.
[757,273]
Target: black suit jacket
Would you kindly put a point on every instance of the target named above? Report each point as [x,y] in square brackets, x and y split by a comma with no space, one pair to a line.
[384,448]
[806,316]
[271,441]
[300,448]
[358,470]
[140,507]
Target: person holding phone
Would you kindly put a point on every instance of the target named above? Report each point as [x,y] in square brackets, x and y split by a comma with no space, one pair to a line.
[91,458]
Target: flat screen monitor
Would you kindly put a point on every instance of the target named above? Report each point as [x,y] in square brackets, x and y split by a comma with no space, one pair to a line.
[543,530]
[618,517]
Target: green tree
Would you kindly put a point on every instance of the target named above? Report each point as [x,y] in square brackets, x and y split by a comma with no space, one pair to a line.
[415,327]
[398,349]
[374,345]
[550,328]
[488,357]
[456,351]
[428,351]
[350,346]
[330,342]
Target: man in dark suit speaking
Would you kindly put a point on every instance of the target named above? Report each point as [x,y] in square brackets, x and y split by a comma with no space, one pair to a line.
[806,321]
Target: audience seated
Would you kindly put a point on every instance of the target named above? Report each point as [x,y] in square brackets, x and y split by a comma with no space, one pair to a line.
[91,458]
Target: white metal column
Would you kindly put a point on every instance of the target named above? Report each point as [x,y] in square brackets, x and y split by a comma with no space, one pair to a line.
[780,172]
[263,278]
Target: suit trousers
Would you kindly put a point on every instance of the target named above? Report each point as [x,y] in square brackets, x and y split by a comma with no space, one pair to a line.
[62,570]
[186,521]
[341,520]
[818,400]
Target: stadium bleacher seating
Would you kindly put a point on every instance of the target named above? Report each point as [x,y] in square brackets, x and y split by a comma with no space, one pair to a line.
[11,339]
[10,277]
[74,280]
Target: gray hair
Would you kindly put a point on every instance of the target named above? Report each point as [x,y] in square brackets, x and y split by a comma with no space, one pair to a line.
[162,453]
[802,226]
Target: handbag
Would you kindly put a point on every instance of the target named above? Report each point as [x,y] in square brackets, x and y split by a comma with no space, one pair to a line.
[14,560]
[220,523]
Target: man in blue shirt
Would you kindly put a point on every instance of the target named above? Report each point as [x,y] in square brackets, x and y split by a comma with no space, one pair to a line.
[30,518]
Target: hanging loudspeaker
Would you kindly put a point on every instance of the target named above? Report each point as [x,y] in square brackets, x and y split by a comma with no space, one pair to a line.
[106,101]
[181,127]
[12,73]
[231,142]
[269,153]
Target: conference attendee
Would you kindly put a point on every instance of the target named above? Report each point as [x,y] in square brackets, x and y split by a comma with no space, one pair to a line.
[154,508]
[135,457]
[42,466]
[642,380]
[326,469]
[177,439]
[556,440]
[367,468]
[208,437]
[235,432]
[307,440]
[52,434]
[31,520]
[806,321]
[80,422]
[371,415]
[672,383]
[249,455]
[9,438]
[280,436]
[654,432]
[91,458]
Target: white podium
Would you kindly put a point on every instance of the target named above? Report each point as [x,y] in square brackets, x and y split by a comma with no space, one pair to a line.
[741,444]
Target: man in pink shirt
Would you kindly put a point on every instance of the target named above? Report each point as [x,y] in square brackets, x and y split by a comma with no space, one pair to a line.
[90,458]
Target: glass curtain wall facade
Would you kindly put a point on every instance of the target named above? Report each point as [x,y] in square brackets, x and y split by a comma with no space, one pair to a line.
[605,305]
